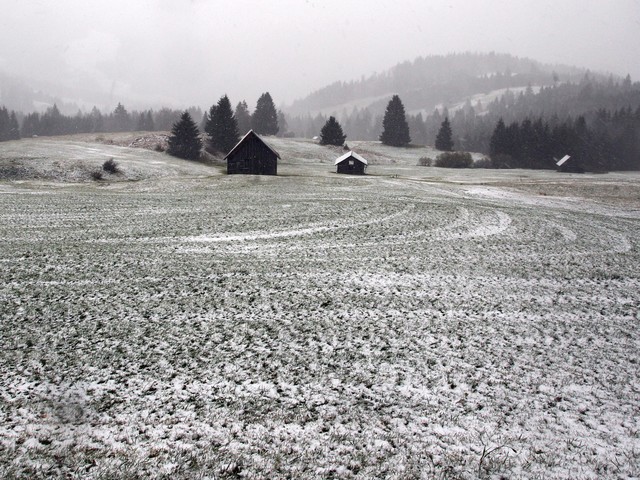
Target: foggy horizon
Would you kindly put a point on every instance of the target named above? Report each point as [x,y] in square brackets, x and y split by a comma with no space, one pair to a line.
[191,52]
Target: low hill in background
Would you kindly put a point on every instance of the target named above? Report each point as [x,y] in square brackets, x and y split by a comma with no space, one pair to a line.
[428,82]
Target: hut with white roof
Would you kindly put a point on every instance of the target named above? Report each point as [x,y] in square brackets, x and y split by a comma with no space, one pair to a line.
[351,163]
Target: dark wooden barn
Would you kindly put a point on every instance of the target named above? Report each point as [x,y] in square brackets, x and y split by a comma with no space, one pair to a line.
[252,156]
[351,163]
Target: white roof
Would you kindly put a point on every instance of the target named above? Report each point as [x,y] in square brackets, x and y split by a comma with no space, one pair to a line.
[353,154]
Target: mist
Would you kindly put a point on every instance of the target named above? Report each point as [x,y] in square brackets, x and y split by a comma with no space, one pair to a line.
[190,52]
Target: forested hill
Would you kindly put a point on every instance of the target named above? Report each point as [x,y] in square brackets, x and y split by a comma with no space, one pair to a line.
[430,81]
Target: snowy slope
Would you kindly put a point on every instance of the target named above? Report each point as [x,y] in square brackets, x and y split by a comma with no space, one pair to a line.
[423,324]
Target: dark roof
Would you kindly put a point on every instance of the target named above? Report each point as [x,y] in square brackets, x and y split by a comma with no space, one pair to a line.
[243,139]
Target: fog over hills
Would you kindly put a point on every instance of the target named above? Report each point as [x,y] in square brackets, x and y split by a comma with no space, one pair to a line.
[441,80]
[423,84]
[179,53]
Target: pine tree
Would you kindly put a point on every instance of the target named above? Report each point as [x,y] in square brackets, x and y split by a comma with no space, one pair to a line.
[497,144]
[150,126]
[222,128]
[4,124]
[31,125]
[243,117]
[14,127]
[184,141]
[265,118]
[331,133]
[444,139]
[121,119]
[145,122]
[395,129]
[282,124]
[97,120]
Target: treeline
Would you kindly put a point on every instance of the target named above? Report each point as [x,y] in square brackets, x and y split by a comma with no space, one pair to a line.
[598,118]
[9,128]
[611,143]
[52,122]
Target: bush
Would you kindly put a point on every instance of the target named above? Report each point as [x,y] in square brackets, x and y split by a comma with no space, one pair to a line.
[425,162]
[96,175]
[110,166]
[454,160]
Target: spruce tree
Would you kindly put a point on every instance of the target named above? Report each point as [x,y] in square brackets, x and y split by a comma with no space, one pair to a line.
[4,124]
[31,125]
[184,141]
[243,117]
[331,133]
[265,118]
[498,142]
[444,139]
[395,129]
[14,127]
[121,119]
[223,128]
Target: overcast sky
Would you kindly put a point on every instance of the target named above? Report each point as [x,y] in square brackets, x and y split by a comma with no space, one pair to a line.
[190,52]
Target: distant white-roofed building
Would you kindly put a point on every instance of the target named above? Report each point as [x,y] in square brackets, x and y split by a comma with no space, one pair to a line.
[351,163]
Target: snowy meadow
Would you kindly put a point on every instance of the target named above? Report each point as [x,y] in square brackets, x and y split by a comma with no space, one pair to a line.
[431,324]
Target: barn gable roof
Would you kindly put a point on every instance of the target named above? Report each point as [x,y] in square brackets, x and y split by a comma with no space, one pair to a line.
[353,154]
[251,133]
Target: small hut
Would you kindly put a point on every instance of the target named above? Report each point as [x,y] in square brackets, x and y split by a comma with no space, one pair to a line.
[252,156]
[351,163]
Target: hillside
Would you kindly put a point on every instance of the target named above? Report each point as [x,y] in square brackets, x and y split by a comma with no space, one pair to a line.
[75,158]
[427,82]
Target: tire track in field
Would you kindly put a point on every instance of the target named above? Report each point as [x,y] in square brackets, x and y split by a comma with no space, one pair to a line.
[291,233]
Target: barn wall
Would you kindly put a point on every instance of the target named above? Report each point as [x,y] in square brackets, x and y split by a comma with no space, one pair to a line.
[253,158]
[356,169]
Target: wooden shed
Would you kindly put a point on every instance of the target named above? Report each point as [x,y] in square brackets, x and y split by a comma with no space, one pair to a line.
[351,163]
[252,156]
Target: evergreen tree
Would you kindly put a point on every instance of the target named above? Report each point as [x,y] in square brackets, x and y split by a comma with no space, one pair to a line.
[31,125]
[97,120]
[208,120]
[395,129]
[121,119]
[222,128]
[243,117]
[184,141]
[4,124]
[265,118]
[282,124]
[497,144]
[444,139]
[52,122]
[140,124]
[150,126]
[145,122]
[331,133]
[14,128]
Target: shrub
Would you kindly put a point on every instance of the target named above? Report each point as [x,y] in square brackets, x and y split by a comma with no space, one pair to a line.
[110,166]
[159,147]
[454,160]
[425,162]
[96,175]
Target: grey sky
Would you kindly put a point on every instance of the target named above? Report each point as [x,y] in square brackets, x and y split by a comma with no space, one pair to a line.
[189,52]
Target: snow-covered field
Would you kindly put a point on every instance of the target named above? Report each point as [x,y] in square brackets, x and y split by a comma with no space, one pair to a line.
[413,323]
